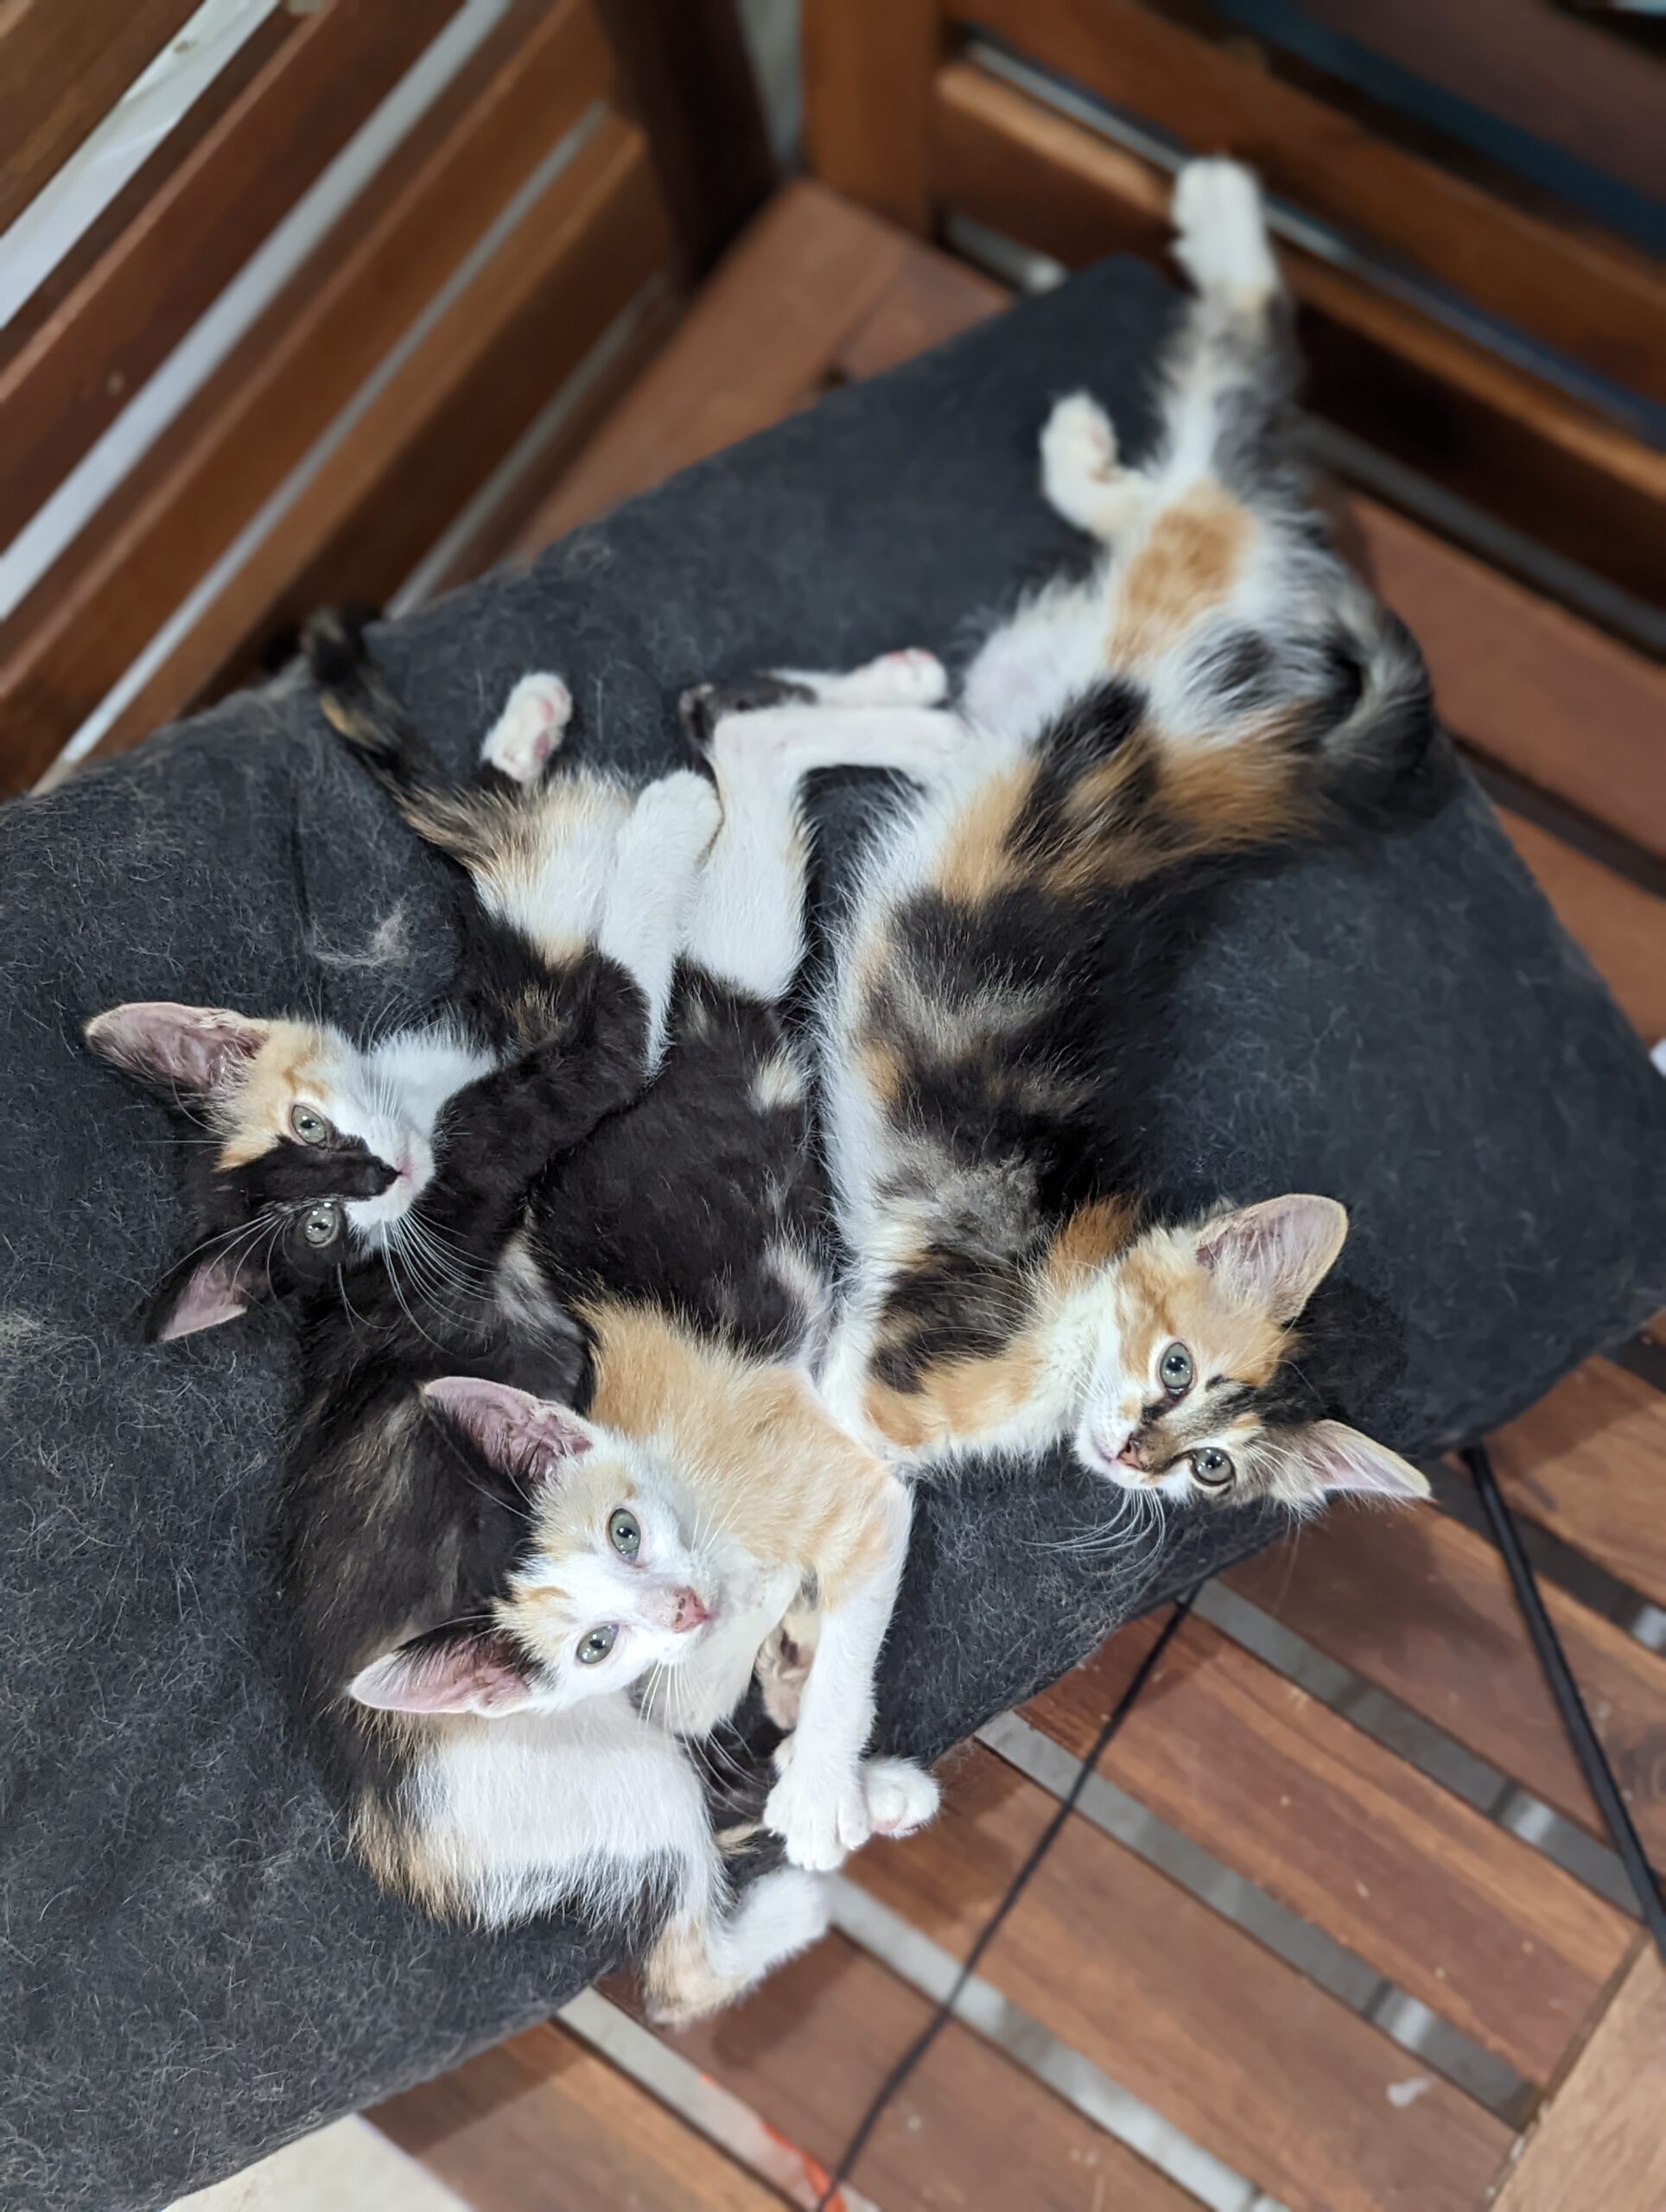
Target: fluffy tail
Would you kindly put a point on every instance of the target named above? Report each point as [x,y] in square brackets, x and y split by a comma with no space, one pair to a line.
[370,719]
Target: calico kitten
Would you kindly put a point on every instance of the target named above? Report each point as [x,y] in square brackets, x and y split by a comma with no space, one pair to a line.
[1217,691]
[324,1154]
[385,1540]
[677,1518]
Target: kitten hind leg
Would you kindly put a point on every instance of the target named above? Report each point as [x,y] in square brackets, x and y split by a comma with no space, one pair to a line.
[653,886]
[913,677]
[708,1957]
[1081,476]
[1221,238]
[530,728]
[749,921]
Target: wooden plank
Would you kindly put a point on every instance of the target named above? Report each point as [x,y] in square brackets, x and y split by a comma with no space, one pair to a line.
[1458,1914]
[1423,1608]
[1597,302]
[498,531]
[543,2123]
[1570,83]
[64,64]
[1238,2050]
[930,299]
[151,177]
[1407,385]
[70,641]
[764,332]
[687,78]
[1523,682]
[867,68]
[438,426]
[132,308]
[1598,2142]
[808,2049]
[1589,1462]
[1620,927]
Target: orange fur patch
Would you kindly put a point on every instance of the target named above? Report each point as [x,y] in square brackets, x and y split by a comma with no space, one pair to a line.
[754,1438]
[1249,792]
[1189,561]
[1163,1298]
[977,859]
[287,1067]
[956,1399]
[1094,1235]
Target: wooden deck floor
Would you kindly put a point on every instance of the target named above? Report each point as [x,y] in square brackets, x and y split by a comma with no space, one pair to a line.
[1337,1932]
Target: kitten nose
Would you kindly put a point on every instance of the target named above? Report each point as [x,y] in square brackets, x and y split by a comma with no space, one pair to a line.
[1131,1455]
[686,1611]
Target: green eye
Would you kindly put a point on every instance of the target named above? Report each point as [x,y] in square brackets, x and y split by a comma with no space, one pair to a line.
[596,1646]
[1212,1468]
[308,1125]
[623,1533]
[1176,1371]
[322,1224]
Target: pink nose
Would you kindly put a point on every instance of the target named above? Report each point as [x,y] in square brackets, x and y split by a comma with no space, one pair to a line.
[688,1613]
[1131,1455]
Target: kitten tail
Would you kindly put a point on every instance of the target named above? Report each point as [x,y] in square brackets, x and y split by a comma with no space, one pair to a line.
[363,710]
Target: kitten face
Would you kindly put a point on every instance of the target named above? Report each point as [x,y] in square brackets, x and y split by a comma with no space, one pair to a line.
[321,1148]
[613,1583]
[1192,1389]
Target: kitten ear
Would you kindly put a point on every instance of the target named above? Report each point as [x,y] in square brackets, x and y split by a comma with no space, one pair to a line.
[191,1048]
[199,1297]
[1341,1460]
[451,1674]
[511,1428]
[1275,1254]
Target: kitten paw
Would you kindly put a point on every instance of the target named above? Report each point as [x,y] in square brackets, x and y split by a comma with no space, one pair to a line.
[1220,227]
[901,1797]
[529,730]
[702,705]
[913,677]
[1078,443]
[681,812]
[782,1669]
[821,1815]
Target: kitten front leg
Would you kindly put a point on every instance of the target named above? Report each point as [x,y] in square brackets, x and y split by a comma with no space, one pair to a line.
[1081,476]
[819,1806]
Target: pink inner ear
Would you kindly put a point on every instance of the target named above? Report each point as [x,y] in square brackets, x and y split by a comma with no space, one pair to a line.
[511,1428]
[1348,1462]
[194,1048]
[212,1295]
[1276,1253]
[464,1674]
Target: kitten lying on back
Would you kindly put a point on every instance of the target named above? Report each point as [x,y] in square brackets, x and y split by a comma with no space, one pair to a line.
[677,1516]
[1218,691]
[536,1780]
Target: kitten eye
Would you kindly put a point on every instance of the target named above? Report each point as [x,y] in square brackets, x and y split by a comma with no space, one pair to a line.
[596,1646]
[1176,1371]
[623,1533]
[322,1224]
[1214,1468]
[308,1125]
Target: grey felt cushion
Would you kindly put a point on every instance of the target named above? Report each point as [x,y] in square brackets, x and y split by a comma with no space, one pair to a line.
[191,1969]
